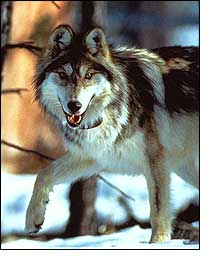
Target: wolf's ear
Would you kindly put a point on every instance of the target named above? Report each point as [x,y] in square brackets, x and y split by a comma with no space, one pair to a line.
[61,37]
[96,43]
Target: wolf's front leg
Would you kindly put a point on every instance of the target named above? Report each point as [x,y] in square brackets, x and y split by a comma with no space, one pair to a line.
[68,168]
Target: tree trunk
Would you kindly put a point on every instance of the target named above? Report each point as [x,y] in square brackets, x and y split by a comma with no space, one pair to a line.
[6,14]
[93,13]
[82,220]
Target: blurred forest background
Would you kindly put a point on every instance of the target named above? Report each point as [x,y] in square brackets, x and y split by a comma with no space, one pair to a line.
[29,139]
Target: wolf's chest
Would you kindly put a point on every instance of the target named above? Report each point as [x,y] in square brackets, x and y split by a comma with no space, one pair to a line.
[127,157]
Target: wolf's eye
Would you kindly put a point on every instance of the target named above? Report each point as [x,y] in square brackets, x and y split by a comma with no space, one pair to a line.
[88,75]
[62,75]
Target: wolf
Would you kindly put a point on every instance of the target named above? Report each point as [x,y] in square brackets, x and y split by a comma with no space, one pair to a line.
[121,111]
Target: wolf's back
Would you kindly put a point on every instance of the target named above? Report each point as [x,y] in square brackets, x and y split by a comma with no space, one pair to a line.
[181,79]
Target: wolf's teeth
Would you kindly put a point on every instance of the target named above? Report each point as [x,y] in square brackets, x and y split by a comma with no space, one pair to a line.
[74,119]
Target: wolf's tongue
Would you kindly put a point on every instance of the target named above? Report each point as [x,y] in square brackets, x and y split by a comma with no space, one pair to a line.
[74,119]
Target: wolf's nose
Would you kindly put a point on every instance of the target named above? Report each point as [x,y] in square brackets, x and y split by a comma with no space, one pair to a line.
[74,106]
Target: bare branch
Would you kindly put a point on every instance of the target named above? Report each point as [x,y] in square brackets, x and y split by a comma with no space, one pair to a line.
[27,150]
[55,4]
[23,45]
[13,90]
[113,186]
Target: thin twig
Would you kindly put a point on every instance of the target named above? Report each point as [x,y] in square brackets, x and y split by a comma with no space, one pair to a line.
[113,186]
[52,159]
[27,150]
[55,4]
[23,45]
[13,90]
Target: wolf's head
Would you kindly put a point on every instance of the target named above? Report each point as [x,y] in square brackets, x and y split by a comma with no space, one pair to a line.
[74,75]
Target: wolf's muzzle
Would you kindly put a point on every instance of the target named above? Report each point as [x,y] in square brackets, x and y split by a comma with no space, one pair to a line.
[74,118]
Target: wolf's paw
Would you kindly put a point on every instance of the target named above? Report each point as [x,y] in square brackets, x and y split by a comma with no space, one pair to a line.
[160,237]
[35,214]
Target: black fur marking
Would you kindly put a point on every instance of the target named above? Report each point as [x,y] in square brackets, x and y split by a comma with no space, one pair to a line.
[188,53]
[141,88]
[181,85]
[157,195]
[142,120]
[181,91]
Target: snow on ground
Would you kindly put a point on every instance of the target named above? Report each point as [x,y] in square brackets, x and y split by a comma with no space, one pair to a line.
[130,238]
[16,192]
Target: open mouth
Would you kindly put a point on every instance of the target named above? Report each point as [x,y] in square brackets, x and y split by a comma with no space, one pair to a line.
[74,120]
